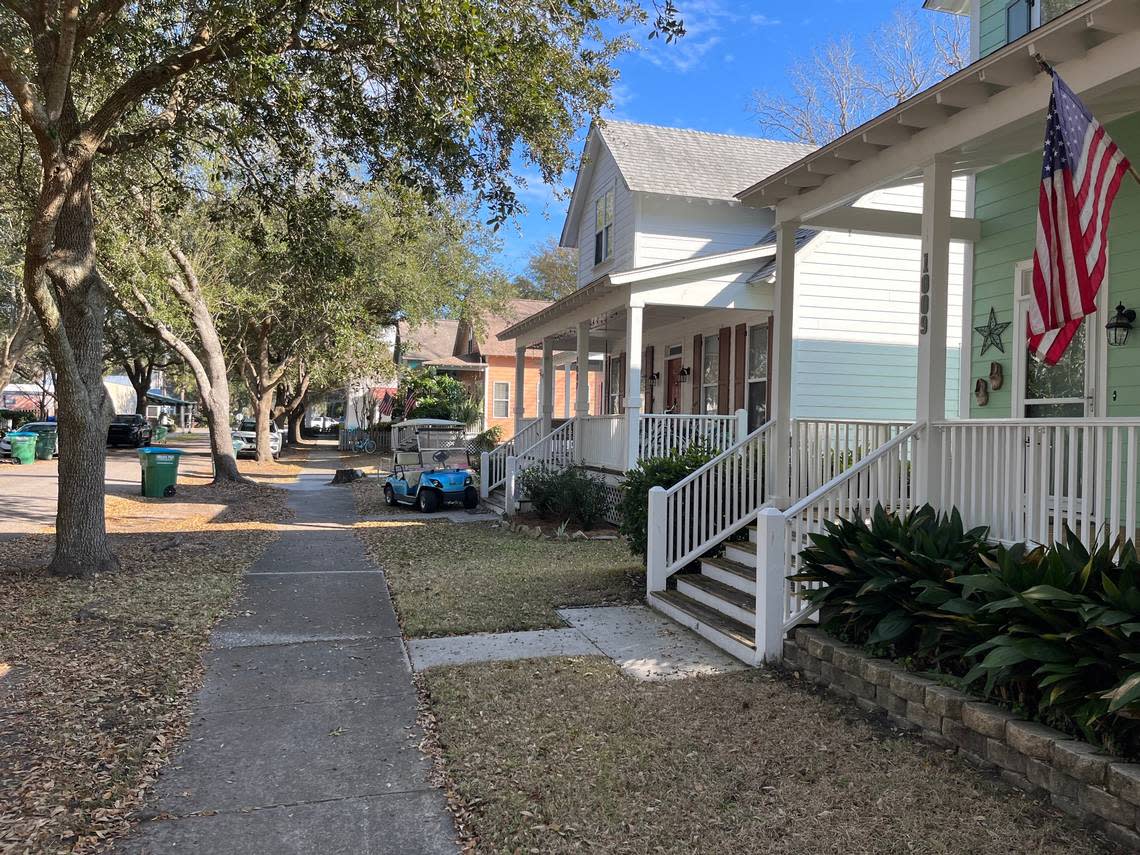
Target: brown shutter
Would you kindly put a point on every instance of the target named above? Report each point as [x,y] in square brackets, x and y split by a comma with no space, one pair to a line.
[724,381]
[621,382]
[695,372]
[768,385]
[646,373]
[741,367]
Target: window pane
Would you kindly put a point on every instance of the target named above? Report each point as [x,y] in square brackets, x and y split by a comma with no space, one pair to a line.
[608,243]
[711,400]
[1017,20]
[1066,379]
[757,405]
[598,241]
[1051,9]
[758,352]
[610,208]
[1056,411]
[710,360]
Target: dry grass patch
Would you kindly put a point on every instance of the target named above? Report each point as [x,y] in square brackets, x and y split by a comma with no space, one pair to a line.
[96,675]
[569,755]
[453,579]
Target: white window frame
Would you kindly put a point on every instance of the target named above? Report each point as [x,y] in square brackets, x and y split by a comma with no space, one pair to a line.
[604,226]
[1096,343]
[715,386]
[496,399]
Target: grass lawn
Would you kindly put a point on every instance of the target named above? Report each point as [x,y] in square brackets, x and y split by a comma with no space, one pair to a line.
[568,755]
[96,675]
[453,579]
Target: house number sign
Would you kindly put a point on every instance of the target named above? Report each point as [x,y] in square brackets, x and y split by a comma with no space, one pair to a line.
[924,298]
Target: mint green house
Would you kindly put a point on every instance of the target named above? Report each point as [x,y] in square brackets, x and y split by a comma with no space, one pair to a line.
[1030,449]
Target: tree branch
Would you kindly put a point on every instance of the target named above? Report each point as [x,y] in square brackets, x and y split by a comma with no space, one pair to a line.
[59,76]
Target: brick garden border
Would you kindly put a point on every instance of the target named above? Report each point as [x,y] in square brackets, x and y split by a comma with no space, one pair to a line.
[1077,778]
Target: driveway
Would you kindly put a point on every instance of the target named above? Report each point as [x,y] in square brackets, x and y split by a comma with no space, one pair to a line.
[28,494]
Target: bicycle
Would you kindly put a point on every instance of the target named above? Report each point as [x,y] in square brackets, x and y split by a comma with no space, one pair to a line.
[362,443]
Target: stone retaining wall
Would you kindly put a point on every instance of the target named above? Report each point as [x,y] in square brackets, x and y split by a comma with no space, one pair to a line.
[1076,777]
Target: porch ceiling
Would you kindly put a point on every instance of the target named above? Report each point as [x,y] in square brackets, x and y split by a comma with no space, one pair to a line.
[610,329]
[985,114]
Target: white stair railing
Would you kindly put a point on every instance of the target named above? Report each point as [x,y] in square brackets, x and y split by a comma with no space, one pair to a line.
[493,464]
[1028,478]
[882,477]
[706,507]
[555,449]
[824,448]
[660,434]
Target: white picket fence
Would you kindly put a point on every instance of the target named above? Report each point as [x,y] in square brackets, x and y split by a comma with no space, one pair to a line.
[662,434]
[1026,479]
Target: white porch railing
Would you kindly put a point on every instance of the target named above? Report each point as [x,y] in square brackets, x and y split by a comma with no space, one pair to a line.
[556,449]
[705,508]
[601,442]
[824,448]
[662,434]
[881,477]
[493,464]
[1026,478]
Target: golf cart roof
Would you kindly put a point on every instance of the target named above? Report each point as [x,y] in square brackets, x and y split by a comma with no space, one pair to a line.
[430,423]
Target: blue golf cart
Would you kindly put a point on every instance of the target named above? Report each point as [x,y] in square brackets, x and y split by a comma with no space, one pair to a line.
[430,478]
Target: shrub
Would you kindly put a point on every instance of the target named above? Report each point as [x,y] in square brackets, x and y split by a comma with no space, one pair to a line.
[655,472]
[1053,631]
[564,493]
[487,440]
[17,417]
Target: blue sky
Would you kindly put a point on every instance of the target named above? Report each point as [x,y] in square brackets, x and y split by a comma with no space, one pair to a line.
[704,80]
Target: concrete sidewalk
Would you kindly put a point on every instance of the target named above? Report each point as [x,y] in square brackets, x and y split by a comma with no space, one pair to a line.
[304,736]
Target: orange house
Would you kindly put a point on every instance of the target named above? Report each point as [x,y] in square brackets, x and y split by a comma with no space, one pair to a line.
[487,365]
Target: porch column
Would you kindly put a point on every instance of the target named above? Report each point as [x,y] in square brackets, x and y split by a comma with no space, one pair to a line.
[546,406]
[779,469]
[934,284]
[520,380]
[582,389]
[633,353]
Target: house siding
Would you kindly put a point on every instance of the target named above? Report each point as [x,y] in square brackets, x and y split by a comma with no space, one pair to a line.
[501,369]
[991,29]
[1006,203]
[673,229]
[606,175]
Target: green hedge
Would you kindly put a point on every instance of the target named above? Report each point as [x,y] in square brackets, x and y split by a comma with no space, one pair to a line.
[1052,632]
[655,472]
[564,494]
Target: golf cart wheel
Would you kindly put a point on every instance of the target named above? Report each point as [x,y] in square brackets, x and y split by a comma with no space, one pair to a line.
[428,501]
[389,496]
[470,498]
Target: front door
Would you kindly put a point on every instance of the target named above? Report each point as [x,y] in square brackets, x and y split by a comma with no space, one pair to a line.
[1064,390]
[672,384]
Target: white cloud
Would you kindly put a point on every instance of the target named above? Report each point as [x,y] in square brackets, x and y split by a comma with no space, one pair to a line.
[729,58]
[760,20]
[705,20]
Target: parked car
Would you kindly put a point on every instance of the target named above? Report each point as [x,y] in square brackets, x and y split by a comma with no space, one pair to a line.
[246,433]
[129,429]
[430,478]
[31,427]
[323,423]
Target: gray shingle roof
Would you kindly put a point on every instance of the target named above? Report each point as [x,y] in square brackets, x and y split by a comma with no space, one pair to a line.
[680,162]
[804,236]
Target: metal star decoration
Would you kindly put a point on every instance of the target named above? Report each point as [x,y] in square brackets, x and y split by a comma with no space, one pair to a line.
[991,333]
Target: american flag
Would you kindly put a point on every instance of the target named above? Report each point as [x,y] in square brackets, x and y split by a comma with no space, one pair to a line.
[1082,171]
[409,403]
[387,404]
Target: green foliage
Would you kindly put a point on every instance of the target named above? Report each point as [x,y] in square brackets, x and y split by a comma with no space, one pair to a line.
[17,417]
[488,439]
[655,472]
[564,493]
[1052,631]
[439,396]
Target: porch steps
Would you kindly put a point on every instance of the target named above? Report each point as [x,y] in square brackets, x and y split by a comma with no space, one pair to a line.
[730,573]
[731,635]
[729,600]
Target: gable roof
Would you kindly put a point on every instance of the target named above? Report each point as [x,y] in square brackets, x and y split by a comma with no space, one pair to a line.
[516,310]
[677,162]
[433,340]
[697,164]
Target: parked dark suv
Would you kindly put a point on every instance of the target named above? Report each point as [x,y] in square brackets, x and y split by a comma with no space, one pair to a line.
[129,429]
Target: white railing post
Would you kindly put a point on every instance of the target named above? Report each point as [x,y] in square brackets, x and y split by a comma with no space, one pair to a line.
[741,428]
[484,474]
[657,532]
[509,487]
[771,569]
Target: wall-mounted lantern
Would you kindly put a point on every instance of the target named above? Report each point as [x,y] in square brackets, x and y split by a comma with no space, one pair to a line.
[685,374]
[651,379]
[1120,326]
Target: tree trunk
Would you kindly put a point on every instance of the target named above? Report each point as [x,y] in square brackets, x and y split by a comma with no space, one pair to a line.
[263,413]
[71,305]
[17,345]
[296,417]
[139,373]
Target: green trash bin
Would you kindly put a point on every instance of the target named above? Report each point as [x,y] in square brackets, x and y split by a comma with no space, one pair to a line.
[23,444]
[159,471]
[45,445]
[159,433]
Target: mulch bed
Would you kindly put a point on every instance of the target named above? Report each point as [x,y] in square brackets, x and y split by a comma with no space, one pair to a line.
[96,675]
